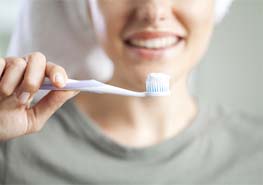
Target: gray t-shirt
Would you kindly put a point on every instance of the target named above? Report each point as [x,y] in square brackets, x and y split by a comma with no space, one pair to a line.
[219,147]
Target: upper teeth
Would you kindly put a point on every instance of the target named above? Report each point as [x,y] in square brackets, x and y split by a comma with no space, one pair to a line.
[155,43]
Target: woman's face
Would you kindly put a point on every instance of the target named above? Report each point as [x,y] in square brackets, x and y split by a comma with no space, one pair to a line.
[145,36]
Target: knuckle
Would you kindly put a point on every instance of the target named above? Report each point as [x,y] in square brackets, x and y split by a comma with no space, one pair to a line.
[18,62]
[62,69]
[30,85]
[5,91]
[58,68]
[21,64]
[38,56]
[53,69]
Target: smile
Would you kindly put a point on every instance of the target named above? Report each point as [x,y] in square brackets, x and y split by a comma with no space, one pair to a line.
[153,40]
[157,43]
[153,45]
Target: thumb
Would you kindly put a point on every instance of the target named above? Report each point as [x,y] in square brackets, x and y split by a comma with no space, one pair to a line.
[46,107]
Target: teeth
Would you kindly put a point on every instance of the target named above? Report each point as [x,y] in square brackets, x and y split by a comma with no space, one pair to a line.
[155,43]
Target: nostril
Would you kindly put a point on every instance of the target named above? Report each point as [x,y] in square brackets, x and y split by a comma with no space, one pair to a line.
[151,13]
[162,18]
[152,17]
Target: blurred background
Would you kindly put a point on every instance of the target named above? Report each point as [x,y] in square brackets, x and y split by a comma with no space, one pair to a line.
[8,13]
[232,71]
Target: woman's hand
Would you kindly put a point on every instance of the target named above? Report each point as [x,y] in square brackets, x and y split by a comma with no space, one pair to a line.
[20,79]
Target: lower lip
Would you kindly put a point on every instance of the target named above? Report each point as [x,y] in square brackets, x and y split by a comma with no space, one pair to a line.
[154,54]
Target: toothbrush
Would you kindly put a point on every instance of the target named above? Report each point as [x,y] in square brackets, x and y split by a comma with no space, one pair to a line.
[157,84]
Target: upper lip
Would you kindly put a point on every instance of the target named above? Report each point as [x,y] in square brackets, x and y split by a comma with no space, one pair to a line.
[145,35]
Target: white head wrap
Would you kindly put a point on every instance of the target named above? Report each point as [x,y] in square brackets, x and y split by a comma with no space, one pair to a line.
[60,30]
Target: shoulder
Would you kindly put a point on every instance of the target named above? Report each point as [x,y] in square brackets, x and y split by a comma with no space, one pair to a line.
[235,129]
[232,118]
[241,122]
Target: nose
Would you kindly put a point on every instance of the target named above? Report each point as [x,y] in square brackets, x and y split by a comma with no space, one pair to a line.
[152,11]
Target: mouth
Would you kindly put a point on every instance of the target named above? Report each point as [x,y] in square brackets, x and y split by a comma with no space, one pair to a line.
[153,45]
[156,43]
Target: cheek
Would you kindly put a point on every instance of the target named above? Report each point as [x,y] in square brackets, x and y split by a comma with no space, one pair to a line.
[195,13]
[198,19]
[113,23]
[112,43]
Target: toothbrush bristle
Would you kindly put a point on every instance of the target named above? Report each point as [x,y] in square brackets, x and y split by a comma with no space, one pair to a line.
[157,84]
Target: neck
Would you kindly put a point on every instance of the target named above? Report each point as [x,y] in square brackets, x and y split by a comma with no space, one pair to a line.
[141,121]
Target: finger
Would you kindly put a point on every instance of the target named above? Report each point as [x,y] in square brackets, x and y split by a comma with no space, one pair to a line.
[40,113]
[2,66]
[56,74]
[33,77]
[12,76]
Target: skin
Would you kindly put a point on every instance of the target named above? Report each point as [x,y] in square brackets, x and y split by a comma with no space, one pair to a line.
[141,122]
[136,122]
[20,80]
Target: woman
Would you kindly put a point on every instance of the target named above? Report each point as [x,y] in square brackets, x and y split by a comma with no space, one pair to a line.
[108,139]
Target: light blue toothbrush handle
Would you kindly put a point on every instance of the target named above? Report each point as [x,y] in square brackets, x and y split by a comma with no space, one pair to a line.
[72,85]
[92,86]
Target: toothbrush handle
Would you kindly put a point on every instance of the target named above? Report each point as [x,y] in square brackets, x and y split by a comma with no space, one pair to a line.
[92,86]
[71,85]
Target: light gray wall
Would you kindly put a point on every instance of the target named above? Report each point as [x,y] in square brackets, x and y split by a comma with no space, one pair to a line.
[8,14]
[232,71]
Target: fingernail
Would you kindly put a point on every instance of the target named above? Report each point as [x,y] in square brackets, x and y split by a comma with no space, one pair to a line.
[24,97]
[59,79]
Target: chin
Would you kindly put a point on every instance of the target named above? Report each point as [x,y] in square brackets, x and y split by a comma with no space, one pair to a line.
[134,77]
